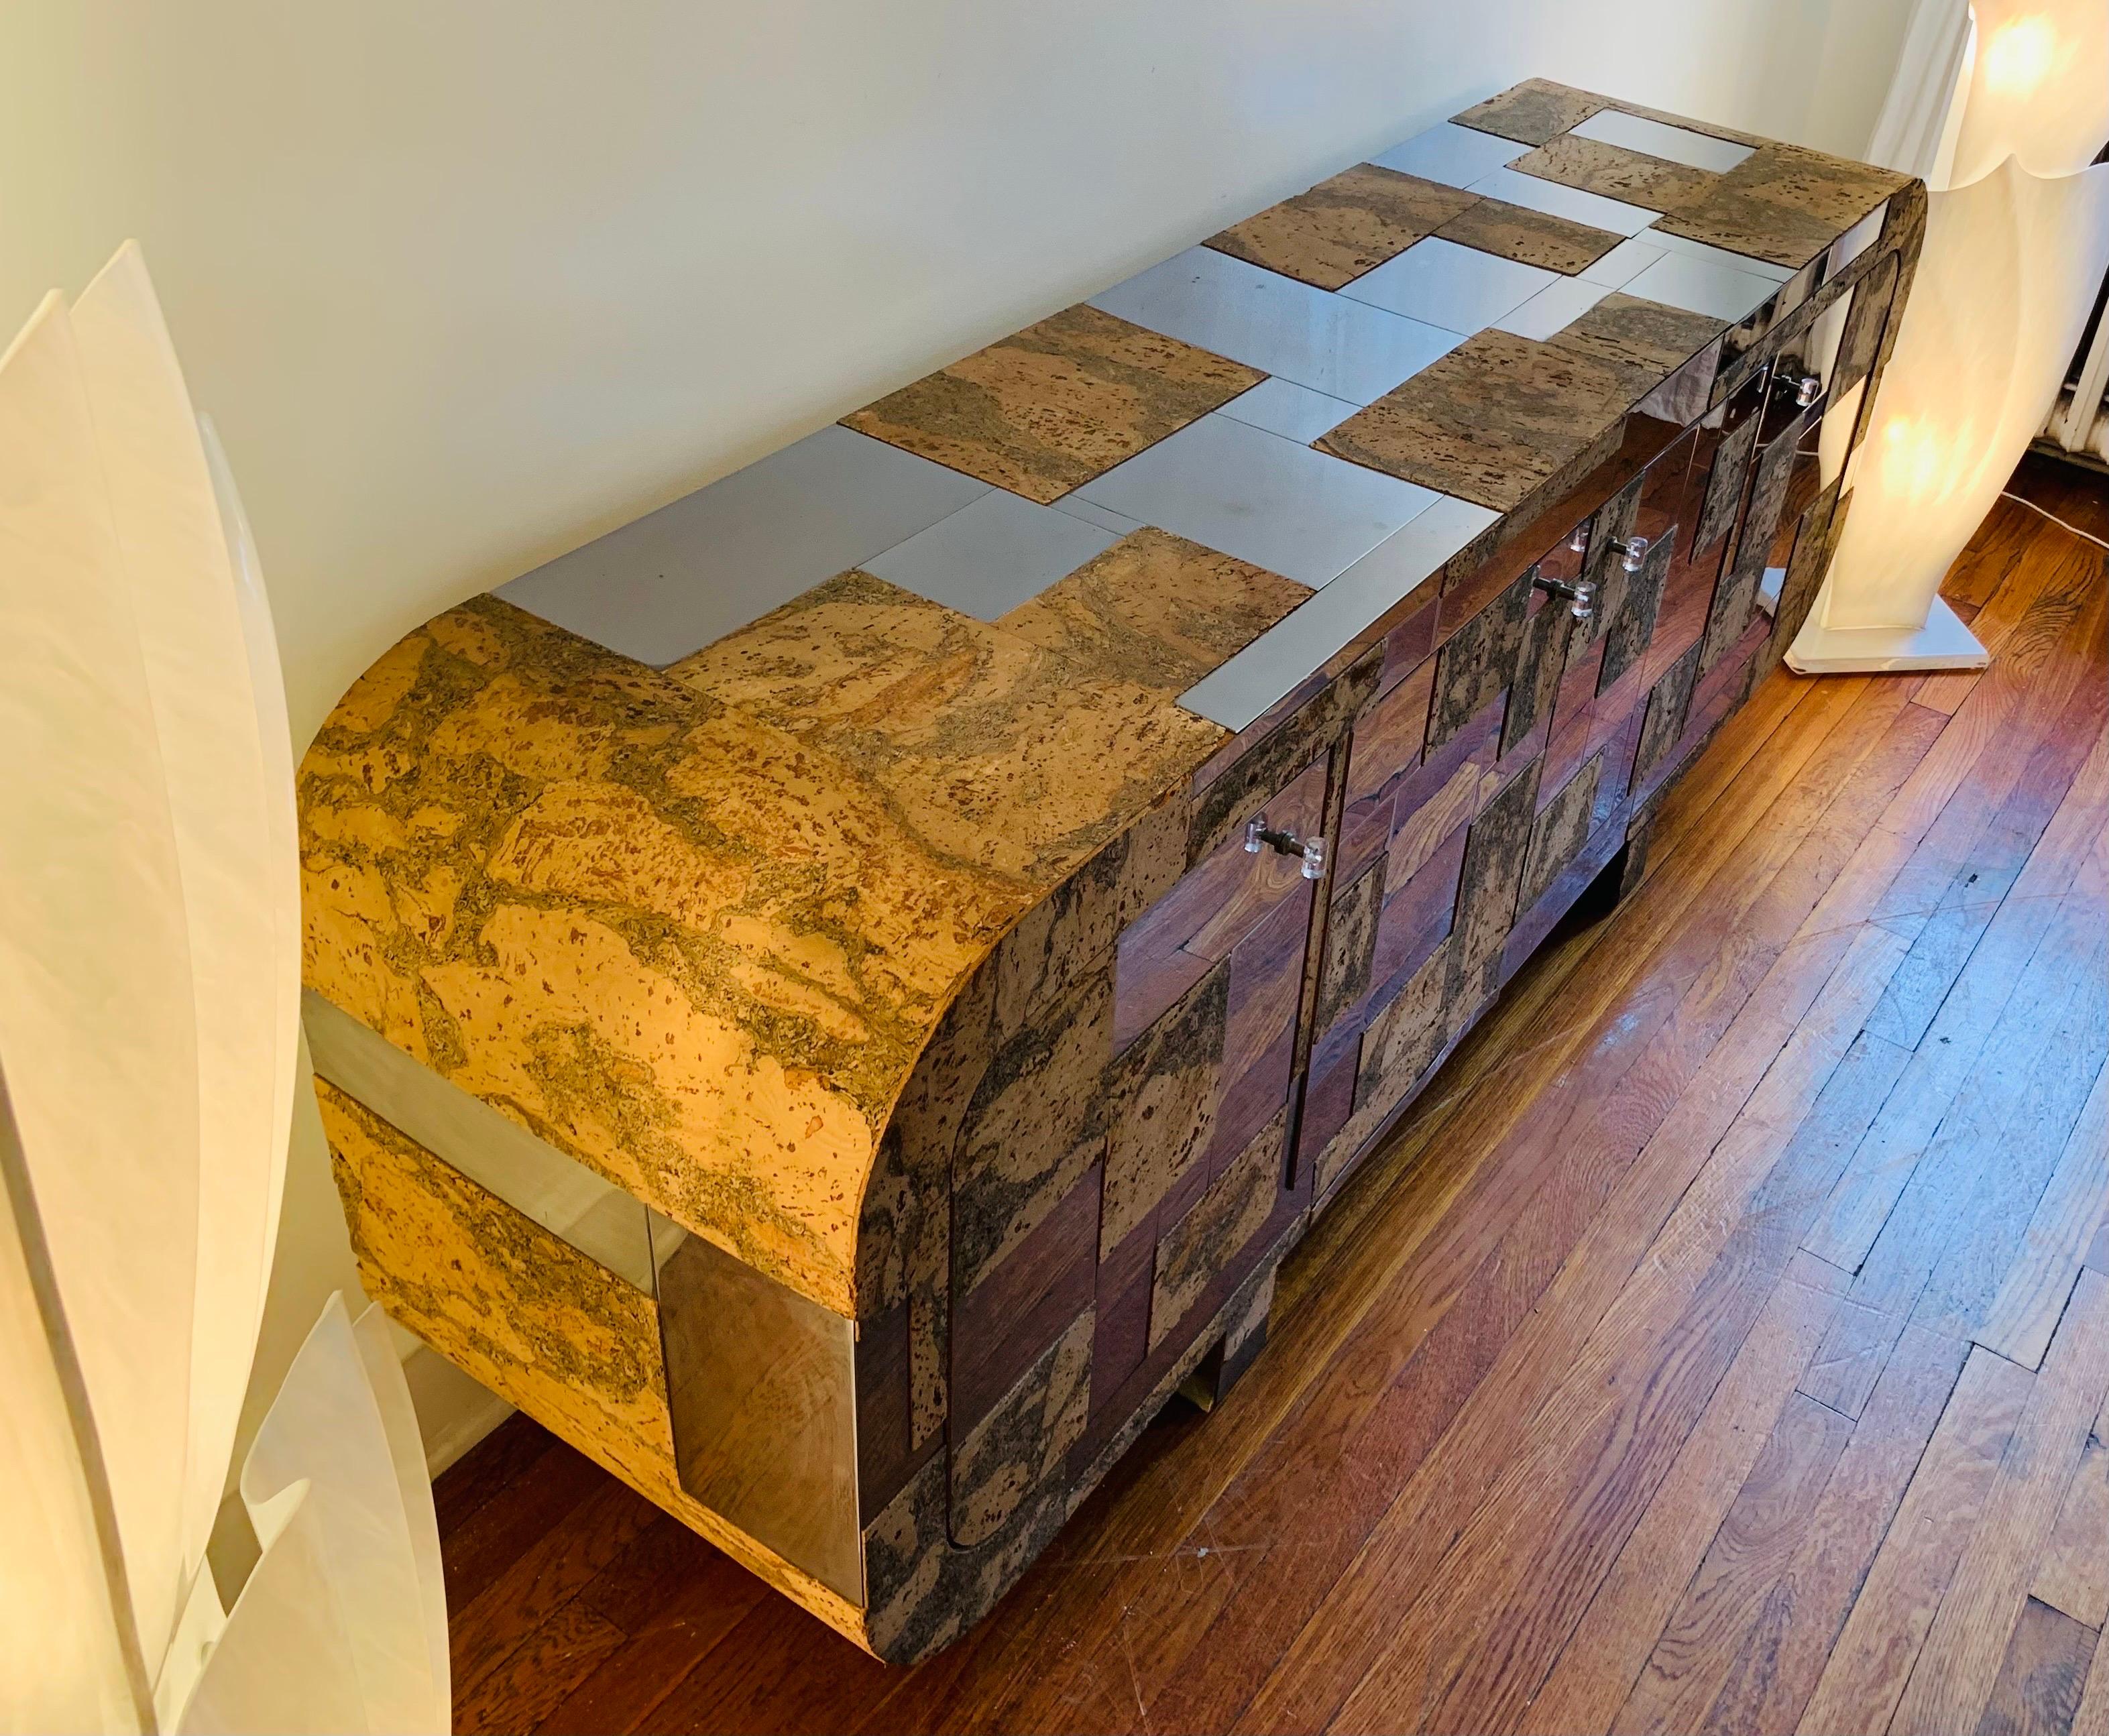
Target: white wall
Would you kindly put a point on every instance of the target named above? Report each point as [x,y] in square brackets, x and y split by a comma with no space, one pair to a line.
[465,283]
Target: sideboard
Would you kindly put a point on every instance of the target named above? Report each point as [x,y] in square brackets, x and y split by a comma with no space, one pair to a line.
[836,997]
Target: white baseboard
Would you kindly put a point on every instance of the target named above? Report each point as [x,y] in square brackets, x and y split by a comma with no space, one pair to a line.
[455,1412]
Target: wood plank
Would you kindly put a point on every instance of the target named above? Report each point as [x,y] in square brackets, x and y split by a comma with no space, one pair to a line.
[1358,1634]
[1755,1543]
[1875,1652]
[1597,1670]
[484,1633]
[1942,1253]
[1855,1213]
[559,1656]
[1953,1681]
[672,1597]
[2040,1677]
[2068,1218]
[1786,1644]
[2074,1576]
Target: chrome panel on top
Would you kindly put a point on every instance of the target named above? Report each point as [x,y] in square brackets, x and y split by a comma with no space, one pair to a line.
[1343,348]
[1455,156]
[1460,289]
[1293,412]
[684,576]
[1556,199]
[1658,138]
[1268,669]
[1274,502]
[993,554]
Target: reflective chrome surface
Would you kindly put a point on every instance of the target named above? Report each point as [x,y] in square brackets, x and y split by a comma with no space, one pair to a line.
[761,1383]
[572,1202]
[1570,202]
[1293,412]
[1455,156]
[1269,668]
[1678,281]
[1554,308]
[993,554]
[674,581]
[1343,348]
[1440,283]
[1118,523]
[1707,253]
[1625,262]
[1268,500]
[1658,138]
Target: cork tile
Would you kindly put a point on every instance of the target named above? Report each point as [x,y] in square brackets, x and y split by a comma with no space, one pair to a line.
[1156,610]
[1626,635]
[1562,828]
[1784,204]
[1532,112]
[1204,1244]
[1644,341]
[1492,421]
[1051,407]
[1478,661]
[738,945]
[1340,228]
[1492,874]
[1012,1451]
[1034,1126]
[1161,1107]
[1540,663]
[1615,172]
[1006,755]
[1669,702]
[1538,238]
[1724,482]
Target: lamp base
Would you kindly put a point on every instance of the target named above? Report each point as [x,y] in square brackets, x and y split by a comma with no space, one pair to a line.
[1942,642]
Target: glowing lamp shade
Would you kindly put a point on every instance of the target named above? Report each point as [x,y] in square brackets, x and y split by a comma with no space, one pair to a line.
[2039,89]
[149,1037]
[2003,288]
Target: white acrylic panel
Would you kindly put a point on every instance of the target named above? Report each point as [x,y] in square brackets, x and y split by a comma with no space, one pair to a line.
[1270,500]
[97,1020]
[1345,349]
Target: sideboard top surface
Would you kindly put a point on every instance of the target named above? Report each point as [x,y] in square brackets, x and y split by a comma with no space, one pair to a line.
[676,850]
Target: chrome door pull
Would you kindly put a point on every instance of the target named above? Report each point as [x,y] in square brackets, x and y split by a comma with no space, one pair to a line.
[1581,595]
[1259,835]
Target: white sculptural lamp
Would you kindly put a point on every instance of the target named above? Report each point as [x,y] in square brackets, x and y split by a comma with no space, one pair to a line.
[149,1031]
[2013,260]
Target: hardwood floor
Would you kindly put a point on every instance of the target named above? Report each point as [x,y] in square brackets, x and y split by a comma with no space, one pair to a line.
[1723,1345]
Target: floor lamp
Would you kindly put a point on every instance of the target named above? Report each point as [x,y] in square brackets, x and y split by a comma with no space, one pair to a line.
[2012,261]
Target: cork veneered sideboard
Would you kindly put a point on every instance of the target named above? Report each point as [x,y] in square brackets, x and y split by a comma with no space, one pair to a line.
[836,997]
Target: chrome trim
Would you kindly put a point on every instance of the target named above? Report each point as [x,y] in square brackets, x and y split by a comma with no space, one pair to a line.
[761,1383]
[553,1189]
